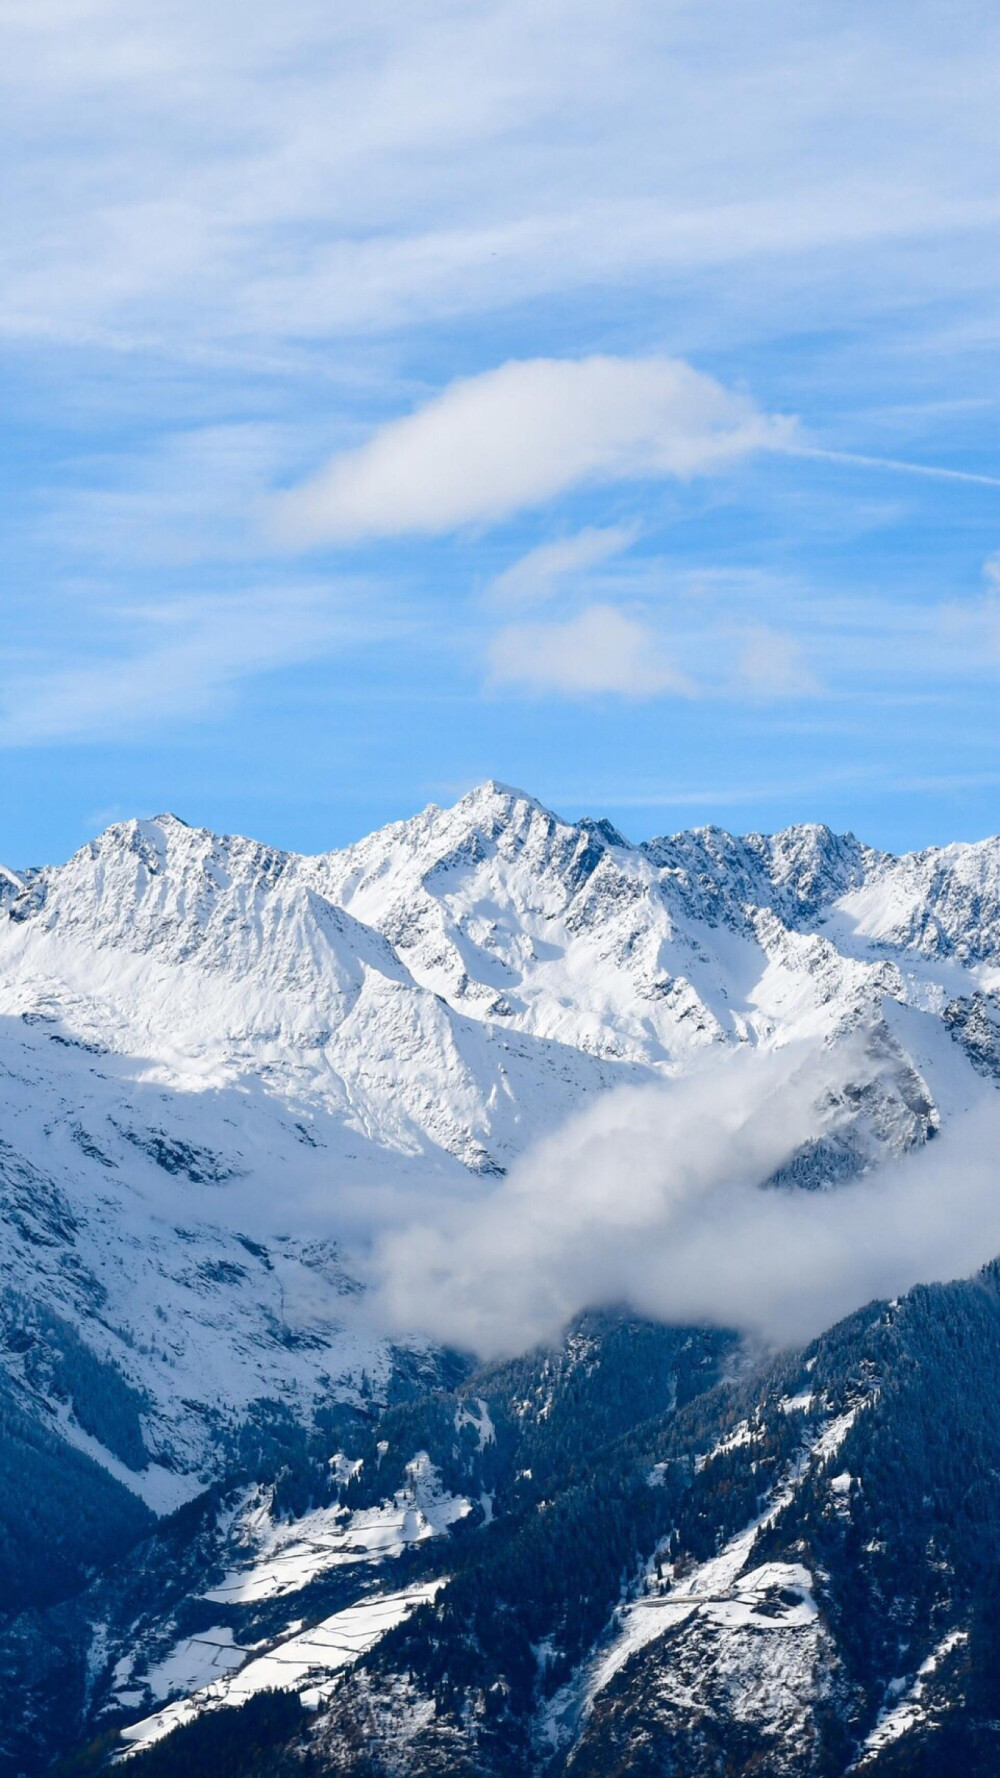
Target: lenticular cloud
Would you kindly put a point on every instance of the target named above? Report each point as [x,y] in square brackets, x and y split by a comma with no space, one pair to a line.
[653,1198]
[512,438]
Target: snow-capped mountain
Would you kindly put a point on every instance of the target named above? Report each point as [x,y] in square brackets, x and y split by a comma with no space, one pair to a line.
[218,1058]
[223,1066]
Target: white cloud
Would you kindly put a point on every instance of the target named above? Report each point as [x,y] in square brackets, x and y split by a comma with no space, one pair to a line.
[513,438]
[534,577]
[652,1198]
[773,665]
[599,650]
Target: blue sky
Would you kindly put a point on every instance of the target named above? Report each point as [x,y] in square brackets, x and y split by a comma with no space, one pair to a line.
[399,397]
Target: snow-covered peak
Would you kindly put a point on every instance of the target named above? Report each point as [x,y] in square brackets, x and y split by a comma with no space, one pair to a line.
[795,872]
[491,815]
[242,908]
[492,798]
[510,913]
[515,918]
[942,902]
[220,960]
[203,1033]
[816,864]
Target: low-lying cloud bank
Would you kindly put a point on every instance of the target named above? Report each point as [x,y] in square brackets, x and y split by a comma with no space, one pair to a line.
[652,1198]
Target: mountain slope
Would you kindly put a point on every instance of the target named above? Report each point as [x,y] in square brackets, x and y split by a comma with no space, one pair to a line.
[791,1574]
[695,1562]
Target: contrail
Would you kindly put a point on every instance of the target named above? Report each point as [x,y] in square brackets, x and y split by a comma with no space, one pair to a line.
[896,464]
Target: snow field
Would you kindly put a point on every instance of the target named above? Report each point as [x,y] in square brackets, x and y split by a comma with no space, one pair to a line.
[305,1662]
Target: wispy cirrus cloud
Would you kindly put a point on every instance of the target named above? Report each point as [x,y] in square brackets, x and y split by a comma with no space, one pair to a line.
[176,661]
[541,572]
[301,171]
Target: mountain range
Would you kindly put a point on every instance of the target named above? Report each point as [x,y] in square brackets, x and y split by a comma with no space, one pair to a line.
[247,1528]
